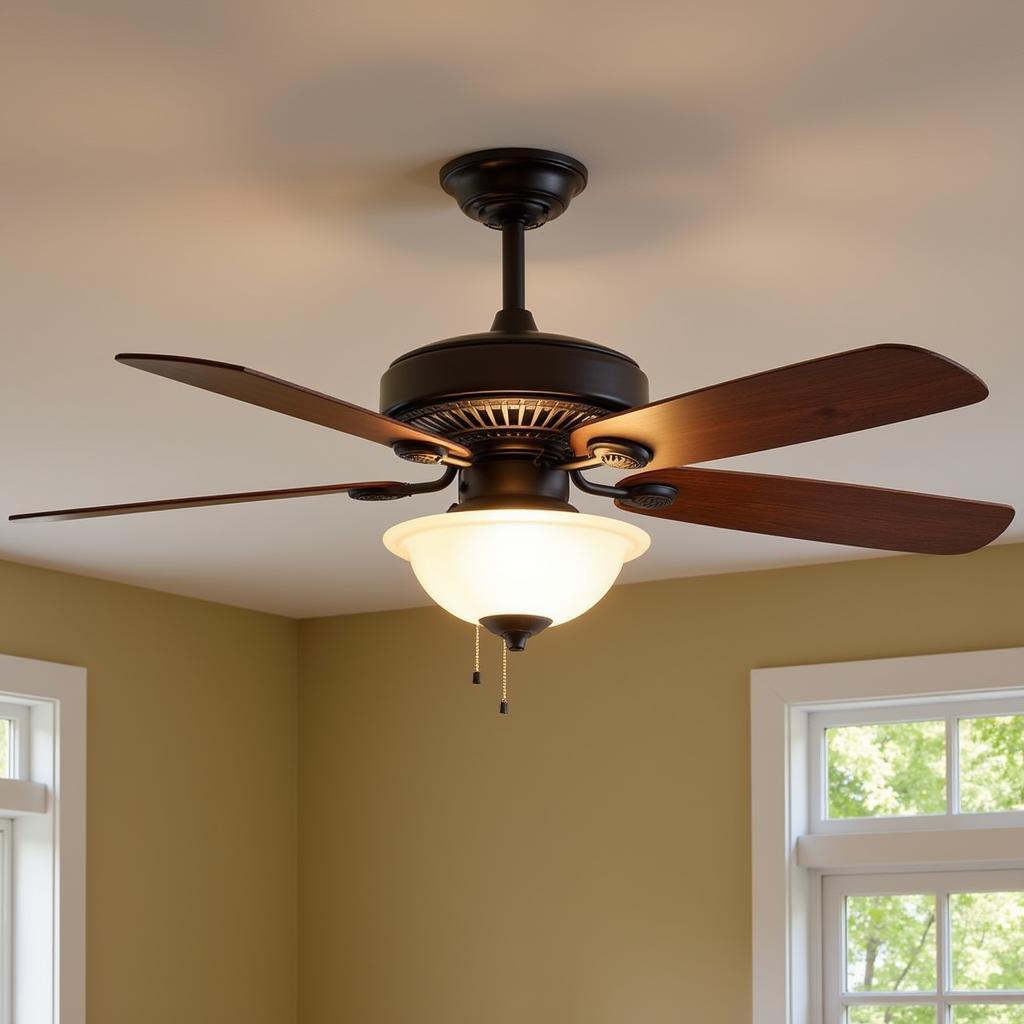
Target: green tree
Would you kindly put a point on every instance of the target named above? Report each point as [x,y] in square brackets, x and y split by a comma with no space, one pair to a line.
[900,768]
[891,947]
[886,769]
[992,763]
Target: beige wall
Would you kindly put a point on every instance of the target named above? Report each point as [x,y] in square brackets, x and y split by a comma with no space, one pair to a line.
[585,861]
[191,790]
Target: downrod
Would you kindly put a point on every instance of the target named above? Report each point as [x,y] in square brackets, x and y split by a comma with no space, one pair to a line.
[513,265]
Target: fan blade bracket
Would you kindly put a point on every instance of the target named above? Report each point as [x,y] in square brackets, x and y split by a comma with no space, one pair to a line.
[642,496]
[389,492]
[428,454]
[378,493]
[649,497]
[614,452]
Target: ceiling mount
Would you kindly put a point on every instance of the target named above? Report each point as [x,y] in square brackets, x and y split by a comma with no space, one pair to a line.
[513,186]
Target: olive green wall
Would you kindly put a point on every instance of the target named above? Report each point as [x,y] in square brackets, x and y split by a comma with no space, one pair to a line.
[586,860]
[191,795]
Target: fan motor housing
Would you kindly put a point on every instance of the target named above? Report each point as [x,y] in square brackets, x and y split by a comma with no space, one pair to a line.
[511,391]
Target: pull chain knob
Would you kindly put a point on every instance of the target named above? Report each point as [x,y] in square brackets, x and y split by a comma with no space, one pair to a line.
[503,707]
[476,658]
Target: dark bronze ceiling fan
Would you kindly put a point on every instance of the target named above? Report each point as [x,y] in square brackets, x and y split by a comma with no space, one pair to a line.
[518,414]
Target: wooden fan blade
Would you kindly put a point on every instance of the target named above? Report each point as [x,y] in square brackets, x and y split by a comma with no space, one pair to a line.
[836,394]
[207,499]
[866,517]
[281,396]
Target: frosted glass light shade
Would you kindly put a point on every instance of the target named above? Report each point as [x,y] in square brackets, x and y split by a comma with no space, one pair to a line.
[516,561]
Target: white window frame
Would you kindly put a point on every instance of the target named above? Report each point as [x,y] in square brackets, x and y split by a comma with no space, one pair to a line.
[45,842]
[6,893]
[789,861]
[836,888]
[948,711]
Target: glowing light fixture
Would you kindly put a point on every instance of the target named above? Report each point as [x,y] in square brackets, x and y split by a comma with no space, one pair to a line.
[516,563]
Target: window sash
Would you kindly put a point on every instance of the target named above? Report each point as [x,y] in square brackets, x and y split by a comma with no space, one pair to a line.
[835,889]
[18,715]
[879,712]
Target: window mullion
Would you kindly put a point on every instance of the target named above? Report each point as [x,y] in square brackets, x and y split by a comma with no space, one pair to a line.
[943,980]
[952,766]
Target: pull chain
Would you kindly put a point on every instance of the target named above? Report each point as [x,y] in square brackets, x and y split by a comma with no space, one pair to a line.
[476,658]
[503,708]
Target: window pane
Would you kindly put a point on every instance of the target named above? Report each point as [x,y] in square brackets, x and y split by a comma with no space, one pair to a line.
[988,1014]
[887,769]
[890,943]
[987,940]
[892,1015]
[992,763]
[5,748]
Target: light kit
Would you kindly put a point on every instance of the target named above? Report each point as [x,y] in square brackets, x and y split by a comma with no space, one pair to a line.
[517,416]
[497,564]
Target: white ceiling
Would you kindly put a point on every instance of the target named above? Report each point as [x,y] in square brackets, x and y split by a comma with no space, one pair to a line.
[255,182]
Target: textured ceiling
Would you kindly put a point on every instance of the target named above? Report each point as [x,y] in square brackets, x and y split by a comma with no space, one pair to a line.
[255,182]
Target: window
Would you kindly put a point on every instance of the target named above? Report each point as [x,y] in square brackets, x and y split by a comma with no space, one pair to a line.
[908,766]
[888,841]
[42,842]
[926,948]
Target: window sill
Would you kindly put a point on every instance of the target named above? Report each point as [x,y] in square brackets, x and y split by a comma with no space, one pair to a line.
[962,847]
[18,797]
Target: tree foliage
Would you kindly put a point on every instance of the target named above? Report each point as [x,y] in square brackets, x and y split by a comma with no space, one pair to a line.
[989,1014]
[886,769]
[992,763]
[987,940]
[891,947]
[890,943]
[892,1015]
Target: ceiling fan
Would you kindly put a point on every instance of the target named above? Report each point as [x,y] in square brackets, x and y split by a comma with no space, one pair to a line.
[518,415]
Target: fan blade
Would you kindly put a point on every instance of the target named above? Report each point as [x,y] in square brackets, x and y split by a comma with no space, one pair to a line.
[207,499]
[281,396]
[866,517]
[837,394]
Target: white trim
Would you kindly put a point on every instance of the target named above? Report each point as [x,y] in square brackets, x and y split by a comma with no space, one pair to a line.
[894,679]
[773,854]
[19,796]
[6,893]
[783,892]
[49,927]
[912,849]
